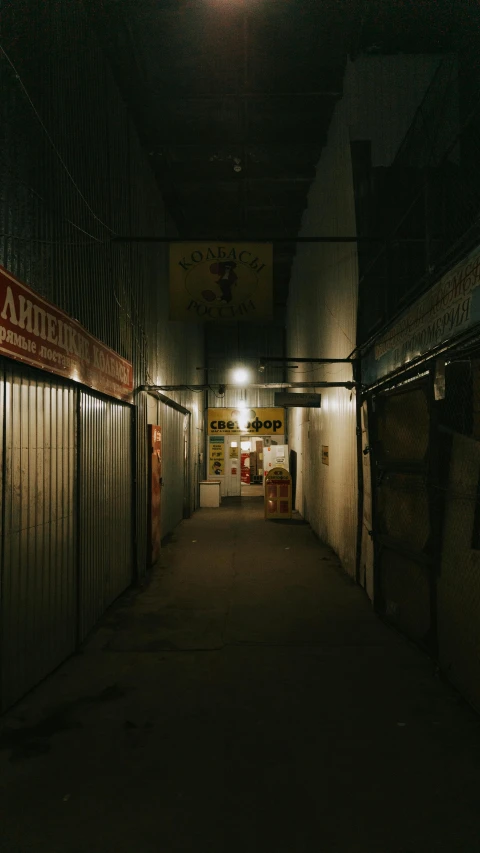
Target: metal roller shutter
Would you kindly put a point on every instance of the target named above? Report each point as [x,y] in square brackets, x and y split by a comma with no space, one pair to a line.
[106,505]
[38,590]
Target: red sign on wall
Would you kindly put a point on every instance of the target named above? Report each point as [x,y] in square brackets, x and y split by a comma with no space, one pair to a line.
[34,331]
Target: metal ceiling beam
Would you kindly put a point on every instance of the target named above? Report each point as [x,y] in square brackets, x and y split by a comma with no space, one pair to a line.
[285,208]
[253,239]
[251,147]
[195,180]
[263,239]
[257,137]
[294,360]
[167,400]
[230,387]
[285,179]
[218,96]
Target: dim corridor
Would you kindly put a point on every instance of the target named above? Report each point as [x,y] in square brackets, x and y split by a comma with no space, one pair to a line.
[247,700]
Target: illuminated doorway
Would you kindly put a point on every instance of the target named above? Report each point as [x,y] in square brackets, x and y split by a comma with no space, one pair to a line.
[251,455]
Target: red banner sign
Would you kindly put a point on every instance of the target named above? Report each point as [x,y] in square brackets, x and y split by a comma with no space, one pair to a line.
[34,331]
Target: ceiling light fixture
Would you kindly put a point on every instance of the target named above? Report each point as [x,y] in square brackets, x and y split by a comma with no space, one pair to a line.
[240,376]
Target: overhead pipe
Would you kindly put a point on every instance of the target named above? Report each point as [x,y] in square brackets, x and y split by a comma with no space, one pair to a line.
[199,239]
[294,360]
[163,399]
[235,386]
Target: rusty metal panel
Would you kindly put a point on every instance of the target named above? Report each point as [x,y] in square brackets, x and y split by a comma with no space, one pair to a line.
[38,597]
[106,506]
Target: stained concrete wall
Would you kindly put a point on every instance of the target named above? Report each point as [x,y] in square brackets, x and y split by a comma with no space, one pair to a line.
[381,95]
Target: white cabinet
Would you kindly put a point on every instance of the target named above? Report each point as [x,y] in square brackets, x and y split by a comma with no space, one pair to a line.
[209,493]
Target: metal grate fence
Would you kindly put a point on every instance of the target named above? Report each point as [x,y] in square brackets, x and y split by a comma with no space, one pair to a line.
[458,588]
[427,203]
[426,521]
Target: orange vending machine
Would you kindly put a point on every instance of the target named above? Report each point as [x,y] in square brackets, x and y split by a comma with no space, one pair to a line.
[278,493]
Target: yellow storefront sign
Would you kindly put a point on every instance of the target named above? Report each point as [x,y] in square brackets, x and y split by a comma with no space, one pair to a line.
[259,421]
[221,282]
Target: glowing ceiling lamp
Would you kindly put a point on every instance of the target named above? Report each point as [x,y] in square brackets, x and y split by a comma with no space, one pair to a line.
[240,376]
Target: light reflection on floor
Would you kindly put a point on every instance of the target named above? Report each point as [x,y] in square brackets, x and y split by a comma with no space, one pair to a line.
[251,491]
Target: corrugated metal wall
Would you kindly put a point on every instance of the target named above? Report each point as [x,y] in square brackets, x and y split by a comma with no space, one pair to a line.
[174,433]
[106,503]
[242,345]
[38,572]
[322,309]
[61,203]
[252,397]
[141,452]
[72,175]
[177,491]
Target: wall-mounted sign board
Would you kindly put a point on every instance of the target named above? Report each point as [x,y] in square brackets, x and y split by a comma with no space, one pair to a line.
[38,333]
[449,308]
[232,282]
[290,400]
[261,421]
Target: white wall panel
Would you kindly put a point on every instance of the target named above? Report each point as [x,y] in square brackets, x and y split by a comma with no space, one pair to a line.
[322,306]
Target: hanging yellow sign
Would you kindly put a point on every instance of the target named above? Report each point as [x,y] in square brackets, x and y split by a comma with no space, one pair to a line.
[260,421]
[220,283]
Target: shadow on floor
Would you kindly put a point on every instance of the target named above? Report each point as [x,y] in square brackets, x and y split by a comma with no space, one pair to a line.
[296,519]
[237,500]
[246,699]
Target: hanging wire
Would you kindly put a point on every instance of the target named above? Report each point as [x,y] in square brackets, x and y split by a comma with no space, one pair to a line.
[48,205]
[93,242]
[52,143]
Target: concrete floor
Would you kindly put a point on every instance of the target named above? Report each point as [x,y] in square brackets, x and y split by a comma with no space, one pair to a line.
[252,491]
[246,701]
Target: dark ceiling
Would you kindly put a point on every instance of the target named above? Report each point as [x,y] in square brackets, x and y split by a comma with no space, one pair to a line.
[233,98]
